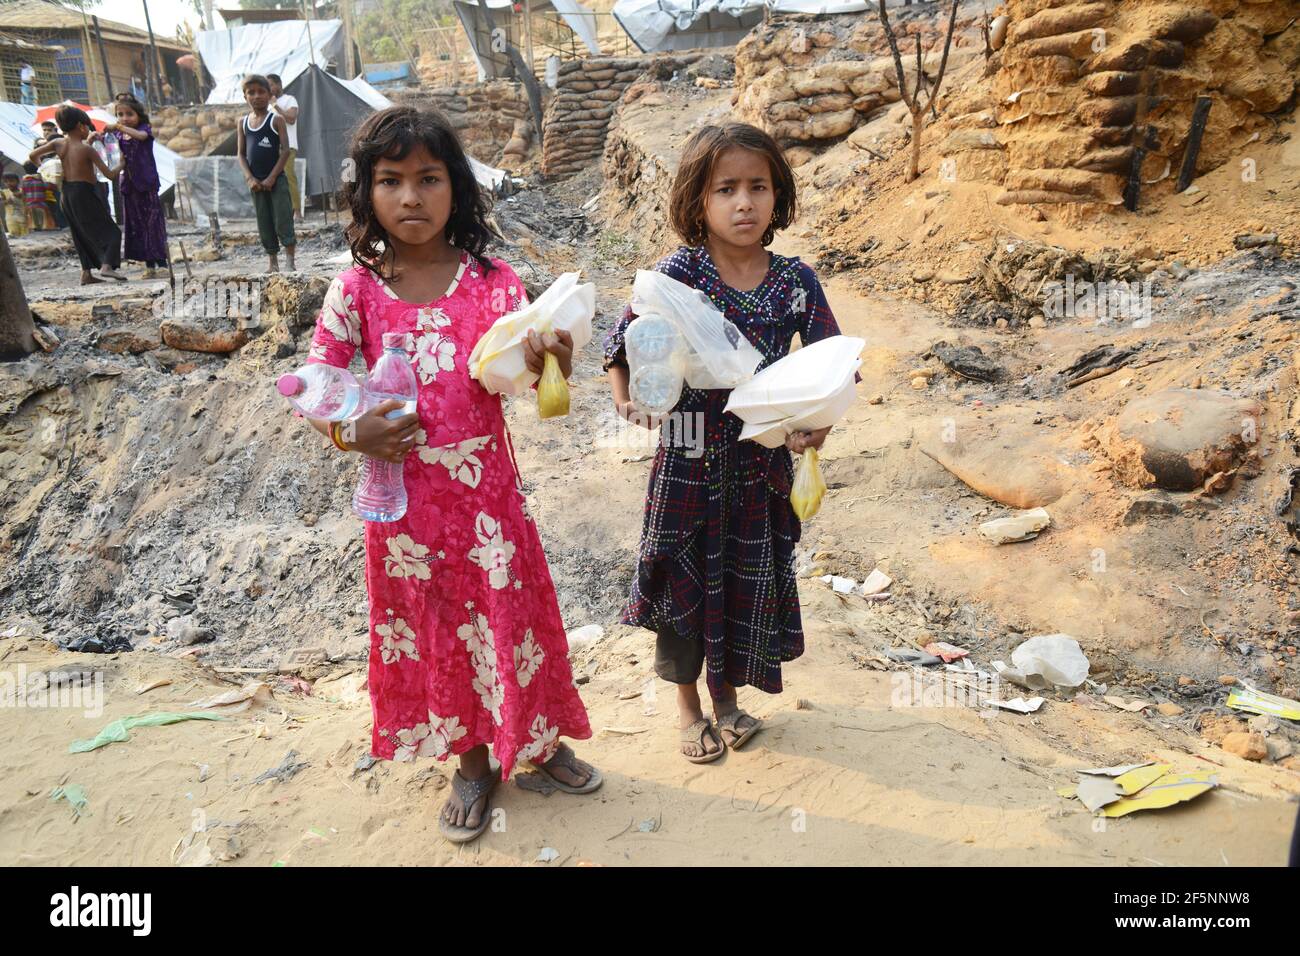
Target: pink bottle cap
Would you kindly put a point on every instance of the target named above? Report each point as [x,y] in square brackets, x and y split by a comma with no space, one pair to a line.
[289,385]
[394,340]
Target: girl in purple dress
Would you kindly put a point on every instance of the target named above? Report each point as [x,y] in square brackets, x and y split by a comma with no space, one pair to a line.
[145,230]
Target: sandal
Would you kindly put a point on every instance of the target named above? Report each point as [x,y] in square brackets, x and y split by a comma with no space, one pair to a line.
[566,758]
[694,734]
[727,725]
[470,792]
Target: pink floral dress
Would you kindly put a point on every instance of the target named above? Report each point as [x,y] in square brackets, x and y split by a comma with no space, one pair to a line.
[467,646]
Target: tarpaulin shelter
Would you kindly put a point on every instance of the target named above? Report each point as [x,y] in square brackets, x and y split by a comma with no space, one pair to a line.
[329,109]
[656,25]
[493,61]
[19,127]
[283,48]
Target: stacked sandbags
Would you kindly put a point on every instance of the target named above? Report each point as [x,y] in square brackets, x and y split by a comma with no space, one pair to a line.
[1079,85]
[491,118]
[814,80]
[577,118]
[195,130]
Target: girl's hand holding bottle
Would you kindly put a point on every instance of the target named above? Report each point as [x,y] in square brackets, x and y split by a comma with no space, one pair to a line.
[388,439]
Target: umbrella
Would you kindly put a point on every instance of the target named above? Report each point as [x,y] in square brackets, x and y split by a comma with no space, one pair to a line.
[98,118]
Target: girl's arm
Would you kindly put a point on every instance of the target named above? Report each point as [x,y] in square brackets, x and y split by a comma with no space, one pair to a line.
[374,435]
[126,130]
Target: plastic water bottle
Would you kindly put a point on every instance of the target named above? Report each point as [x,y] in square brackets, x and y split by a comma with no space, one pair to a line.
[322,391]
[381,493]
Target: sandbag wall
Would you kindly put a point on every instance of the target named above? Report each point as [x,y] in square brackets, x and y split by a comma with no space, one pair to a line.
[1079,87]
[814,79]
[195,130]
[491,118]
[577,117]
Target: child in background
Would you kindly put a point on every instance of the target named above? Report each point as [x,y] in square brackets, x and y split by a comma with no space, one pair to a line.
[263,152]
[467,646]
[34,195]
[144,228]
[715,579]
[15,207]
[94,234]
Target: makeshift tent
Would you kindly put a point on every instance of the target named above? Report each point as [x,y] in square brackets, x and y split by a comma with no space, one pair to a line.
[19,128]
[656,25]
[282,47]
[329,109]
[215,184]
[492,60]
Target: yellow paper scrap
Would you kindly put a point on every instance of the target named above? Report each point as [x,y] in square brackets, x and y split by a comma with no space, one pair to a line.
[1168,790]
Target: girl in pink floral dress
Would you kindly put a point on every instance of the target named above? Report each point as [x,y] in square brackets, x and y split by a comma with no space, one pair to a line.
[467,644]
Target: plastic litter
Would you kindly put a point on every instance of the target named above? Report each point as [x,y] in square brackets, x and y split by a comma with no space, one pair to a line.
[1056,658]
[118,730]
[552,390]
[1019,527]
[74,793]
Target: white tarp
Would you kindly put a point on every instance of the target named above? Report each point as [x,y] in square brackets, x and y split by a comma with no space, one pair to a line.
[364,91]
[578,17]
[281,47]
[17,139]
[656,25]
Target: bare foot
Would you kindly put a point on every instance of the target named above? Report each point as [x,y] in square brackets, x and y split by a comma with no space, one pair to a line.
[111,273]
[88,279]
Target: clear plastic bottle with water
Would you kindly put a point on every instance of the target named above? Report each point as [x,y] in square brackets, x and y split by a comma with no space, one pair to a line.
[381,493]
[322,391]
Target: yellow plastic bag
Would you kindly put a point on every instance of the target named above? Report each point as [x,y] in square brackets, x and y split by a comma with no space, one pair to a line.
[552,390]
[809,486]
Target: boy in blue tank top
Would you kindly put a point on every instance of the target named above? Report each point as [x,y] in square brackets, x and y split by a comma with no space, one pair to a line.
[263,153]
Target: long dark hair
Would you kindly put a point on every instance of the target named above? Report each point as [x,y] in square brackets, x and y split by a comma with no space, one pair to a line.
[391,134]
[695,171]
[126,99]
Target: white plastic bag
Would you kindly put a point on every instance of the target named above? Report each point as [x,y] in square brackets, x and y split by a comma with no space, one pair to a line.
[1058,658]
[717,354]
[806,390]
[497,360]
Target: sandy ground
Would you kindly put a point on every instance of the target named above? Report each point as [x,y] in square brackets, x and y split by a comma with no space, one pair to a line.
[853,776]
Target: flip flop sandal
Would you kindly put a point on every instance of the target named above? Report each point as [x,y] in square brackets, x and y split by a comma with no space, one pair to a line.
[727,725]
[566,758]
[694,734]
[470,792]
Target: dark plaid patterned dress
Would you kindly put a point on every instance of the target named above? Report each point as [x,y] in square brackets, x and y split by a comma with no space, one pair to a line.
[717,544]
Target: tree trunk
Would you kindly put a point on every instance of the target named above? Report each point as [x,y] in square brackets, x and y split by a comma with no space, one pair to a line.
[913,165]
[17,331]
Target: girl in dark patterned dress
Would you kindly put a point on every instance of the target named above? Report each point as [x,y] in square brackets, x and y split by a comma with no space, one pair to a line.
[715,579]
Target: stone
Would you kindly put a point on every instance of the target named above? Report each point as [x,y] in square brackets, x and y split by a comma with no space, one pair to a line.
[920,382]
[1151,506]
[125,342]
[1176,439]
[1227,680]
[1038,321]
[1245,745]
[1169,710]
[191,338]
[1023,473]
[1022,527]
